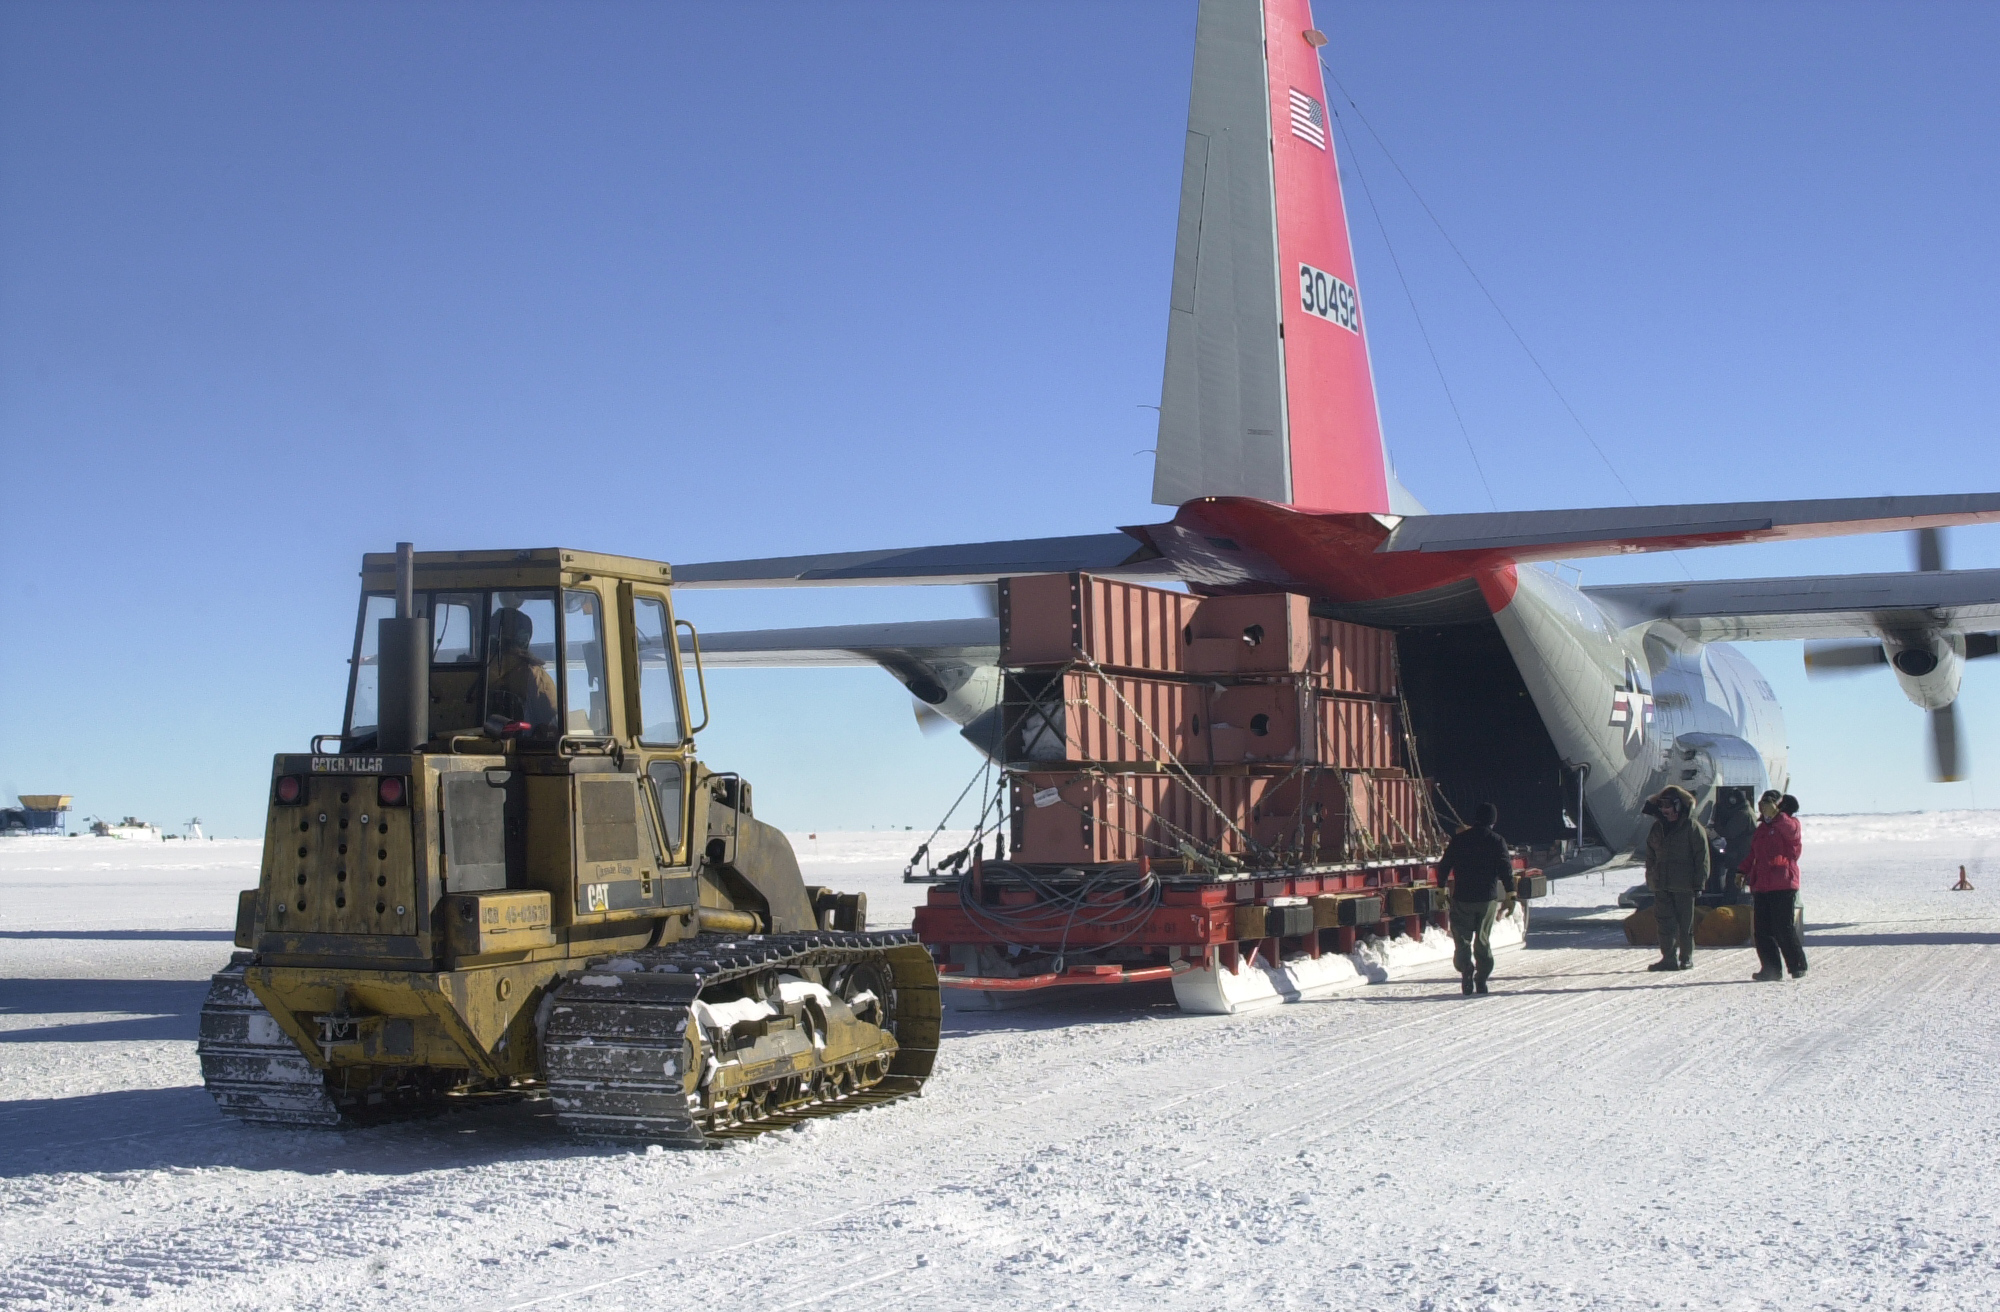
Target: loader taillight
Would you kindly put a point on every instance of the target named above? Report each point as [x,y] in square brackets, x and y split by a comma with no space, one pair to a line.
[391,791]
[291,790]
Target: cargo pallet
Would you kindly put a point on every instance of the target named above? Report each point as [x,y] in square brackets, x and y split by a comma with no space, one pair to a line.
[1227,942]
[1009,928]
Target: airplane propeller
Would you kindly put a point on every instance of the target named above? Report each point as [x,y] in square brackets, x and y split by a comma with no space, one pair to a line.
[1915,658]
[1945,765]
[929,719]
[1843,657]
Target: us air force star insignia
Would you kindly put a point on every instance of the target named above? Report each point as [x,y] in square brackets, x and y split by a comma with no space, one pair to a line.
[1632,705]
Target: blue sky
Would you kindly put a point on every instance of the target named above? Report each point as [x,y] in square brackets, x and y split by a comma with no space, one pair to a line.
[280,284]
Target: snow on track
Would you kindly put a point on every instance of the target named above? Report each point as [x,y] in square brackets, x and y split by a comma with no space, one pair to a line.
[1593,1136]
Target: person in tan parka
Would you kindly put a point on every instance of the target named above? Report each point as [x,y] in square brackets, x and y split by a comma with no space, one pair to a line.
[1677,858]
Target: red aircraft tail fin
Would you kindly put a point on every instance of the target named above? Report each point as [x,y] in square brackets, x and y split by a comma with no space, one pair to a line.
[1268,391]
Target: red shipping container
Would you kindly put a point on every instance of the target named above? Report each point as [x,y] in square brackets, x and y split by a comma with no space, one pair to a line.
[1267,634]
[1292,724]
[1334,815]
[1358,733]
[1124,719]
[1318,816]
[1095,819]
[1276,633]
[1255,723]
[1354,658]
[1052,619]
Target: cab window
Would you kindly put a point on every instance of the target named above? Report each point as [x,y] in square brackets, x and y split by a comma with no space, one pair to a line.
[366,686]
[520,656]
[455,622]
[659,698]
[589,706]
[665,777]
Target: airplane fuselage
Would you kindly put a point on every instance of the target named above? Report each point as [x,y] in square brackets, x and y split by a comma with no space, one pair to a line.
[1634,708]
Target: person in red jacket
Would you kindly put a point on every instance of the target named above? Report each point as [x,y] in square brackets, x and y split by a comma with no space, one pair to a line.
[1773,875]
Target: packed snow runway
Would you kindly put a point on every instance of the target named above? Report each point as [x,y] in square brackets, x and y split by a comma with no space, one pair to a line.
[1591,1137]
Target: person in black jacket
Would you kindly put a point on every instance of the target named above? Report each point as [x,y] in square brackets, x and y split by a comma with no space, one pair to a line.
[1479,866]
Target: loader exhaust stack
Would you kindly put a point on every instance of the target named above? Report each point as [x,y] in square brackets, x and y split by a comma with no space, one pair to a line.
[404,647]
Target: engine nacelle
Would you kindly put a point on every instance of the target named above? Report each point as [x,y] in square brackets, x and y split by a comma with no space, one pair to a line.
[1929,666]
[966,693]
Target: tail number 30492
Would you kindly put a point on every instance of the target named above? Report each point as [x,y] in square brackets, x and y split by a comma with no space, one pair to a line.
[1328,297]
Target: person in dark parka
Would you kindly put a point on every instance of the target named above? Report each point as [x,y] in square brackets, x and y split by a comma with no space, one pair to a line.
[1736,826]
[1676,868]
[1480,868]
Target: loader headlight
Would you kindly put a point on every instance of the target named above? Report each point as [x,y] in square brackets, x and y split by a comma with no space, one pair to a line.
[391,790]
[290,790]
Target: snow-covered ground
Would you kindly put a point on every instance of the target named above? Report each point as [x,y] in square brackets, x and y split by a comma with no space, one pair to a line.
[1591,1137]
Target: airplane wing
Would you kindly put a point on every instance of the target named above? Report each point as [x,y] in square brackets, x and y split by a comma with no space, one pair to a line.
[1831,606]
[905,643]
[948,665]
[1184,549]
[1115,555]
[1530,535]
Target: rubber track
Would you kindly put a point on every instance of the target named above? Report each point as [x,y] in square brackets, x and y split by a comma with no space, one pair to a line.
[613,1046]
[251,1067]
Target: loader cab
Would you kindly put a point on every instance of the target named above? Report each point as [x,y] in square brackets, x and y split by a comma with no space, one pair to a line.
[588,658]
[557,751]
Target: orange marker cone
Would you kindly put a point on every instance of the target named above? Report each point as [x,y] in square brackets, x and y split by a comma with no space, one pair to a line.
[1963,885]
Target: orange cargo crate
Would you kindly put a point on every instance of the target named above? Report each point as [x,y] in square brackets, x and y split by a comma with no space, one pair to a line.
[1051,619]
[1095,819]
[1356,659]
[1076,715]
[1054,619]
[1316,816]
[1291,724]
[1336,815]
[1127,719]
[1277,634]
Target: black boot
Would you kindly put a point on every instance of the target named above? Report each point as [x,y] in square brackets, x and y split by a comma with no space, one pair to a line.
[1664,963]
[1482,986]
[1768,975]
[1465,983]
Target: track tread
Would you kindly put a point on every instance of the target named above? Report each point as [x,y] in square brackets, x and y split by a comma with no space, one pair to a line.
[251,1068]
[614,1045]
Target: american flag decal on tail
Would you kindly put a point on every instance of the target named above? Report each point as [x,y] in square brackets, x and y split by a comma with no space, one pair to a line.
[1308,118]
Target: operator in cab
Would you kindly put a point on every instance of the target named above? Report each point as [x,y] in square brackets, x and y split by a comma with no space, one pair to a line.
[519,688]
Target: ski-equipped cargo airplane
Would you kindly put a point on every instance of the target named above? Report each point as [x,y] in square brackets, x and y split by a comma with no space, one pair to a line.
[1524,690]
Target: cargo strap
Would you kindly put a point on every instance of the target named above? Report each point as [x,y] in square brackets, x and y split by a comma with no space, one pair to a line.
[1167,755]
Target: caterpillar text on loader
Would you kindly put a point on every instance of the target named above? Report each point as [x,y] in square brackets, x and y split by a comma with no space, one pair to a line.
[513,876]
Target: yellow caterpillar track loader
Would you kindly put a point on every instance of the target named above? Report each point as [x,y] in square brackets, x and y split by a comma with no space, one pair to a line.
[510,876]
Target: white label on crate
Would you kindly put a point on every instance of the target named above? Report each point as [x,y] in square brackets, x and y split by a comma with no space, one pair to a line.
[1047,797]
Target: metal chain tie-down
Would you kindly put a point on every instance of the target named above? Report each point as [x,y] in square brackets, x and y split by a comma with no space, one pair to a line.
[956,859]
[1186,840]
[1367,841]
